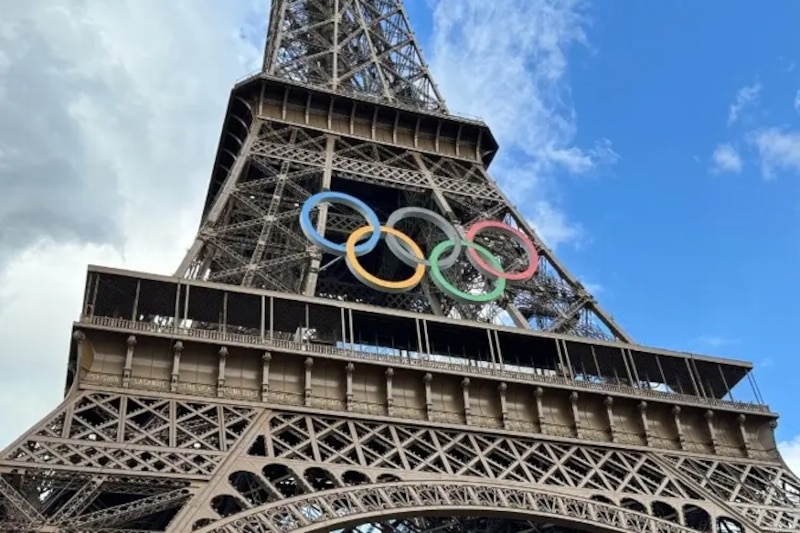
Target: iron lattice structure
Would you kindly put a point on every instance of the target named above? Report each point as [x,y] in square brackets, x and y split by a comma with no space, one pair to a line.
[262,388]
[361,114]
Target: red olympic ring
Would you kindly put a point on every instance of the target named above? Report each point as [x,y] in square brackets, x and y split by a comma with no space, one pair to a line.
[522,239]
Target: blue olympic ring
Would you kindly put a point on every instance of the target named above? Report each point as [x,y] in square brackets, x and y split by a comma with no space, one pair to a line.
[329,246]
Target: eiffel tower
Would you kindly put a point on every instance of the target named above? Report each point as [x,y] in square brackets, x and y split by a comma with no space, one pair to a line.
[366,335]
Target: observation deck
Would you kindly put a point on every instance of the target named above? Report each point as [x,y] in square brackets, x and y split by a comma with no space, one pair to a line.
[266,97]
[179,336]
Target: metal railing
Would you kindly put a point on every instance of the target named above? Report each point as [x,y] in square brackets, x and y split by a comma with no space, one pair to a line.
[425,361]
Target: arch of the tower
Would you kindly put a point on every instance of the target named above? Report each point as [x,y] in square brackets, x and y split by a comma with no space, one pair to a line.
[438,505]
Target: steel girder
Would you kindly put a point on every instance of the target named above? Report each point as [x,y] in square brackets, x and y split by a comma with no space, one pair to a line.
[256,239]
[364,48]
[124,461]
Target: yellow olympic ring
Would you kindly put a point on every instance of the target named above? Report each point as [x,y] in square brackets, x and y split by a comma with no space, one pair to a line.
[376,282]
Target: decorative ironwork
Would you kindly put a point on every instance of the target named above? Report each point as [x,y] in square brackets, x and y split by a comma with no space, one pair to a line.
[257,239]
[327,510]
[171,423]
[361,47]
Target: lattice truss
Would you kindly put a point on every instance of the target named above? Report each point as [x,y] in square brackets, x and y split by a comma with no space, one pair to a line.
[299,470]
[363,48]
[106,462]
[256,241]
[456,525]
[111,462]
[329,508]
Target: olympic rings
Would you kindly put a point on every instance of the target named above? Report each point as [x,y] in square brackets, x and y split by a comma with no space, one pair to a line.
[465,297]
[517,235]
[429,216]
[360,207]
[410,253]
[377,283]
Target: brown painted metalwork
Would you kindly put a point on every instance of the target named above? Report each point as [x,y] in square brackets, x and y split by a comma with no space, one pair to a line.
[262,389]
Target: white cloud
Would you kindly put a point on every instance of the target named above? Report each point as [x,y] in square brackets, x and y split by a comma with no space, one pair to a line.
[551,224]
[506,60]
[746,97]
[797,101]
[726,159]
[790,451]
[40,296]
[778,149]
[109,119]
[593,288]
[715,341]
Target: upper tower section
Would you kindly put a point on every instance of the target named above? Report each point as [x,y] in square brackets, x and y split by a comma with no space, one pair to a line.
[364,49]
[345,127]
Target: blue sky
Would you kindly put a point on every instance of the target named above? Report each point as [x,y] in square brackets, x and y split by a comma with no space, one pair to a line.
[691,234]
